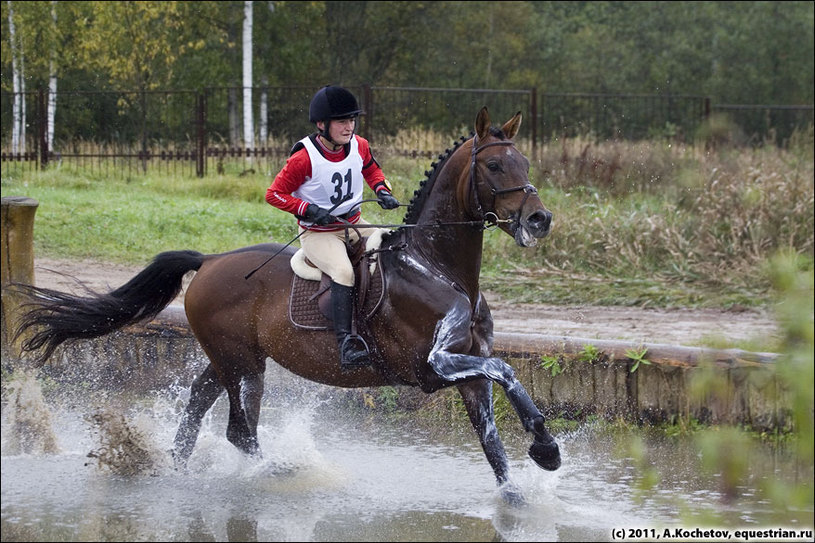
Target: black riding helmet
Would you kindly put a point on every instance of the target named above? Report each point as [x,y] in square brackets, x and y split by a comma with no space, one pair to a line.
[331,102]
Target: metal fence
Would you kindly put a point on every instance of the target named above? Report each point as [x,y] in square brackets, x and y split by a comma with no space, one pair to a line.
[200,132]
[622,116]
[760,124]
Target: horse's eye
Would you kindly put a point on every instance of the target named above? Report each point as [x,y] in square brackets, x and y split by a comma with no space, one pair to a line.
[494,166]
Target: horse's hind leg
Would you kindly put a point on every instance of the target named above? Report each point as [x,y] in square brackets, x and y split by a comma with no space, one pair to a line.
[477,396]
[244,411]
[204,391]
[251,395]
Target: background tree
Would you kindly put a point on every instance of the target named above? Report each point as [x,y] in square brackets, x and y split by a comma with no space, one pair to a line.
[361,38]
[735,52]
[762,53]
[133,43]
[248,82]
[18,84]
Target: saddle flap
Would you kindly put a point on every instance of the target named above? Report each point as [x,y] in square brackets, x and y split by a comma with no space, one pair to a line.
[310,301]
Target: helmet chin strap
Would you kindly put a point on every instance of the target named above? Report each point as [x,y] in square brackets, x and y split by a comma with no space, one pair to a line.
[327,137]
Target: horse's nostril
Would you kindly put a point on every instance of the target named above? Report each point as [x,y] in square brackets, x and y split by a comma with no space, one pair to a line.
[540,220]
[547,219]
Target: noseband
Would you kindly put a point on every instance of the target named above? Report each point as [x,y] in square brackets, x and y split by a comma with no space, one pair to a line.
[528,188]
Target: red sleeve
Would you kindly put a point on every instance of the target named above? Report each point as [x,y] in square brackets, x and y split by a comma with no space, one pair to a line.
[371,171]
[293,174]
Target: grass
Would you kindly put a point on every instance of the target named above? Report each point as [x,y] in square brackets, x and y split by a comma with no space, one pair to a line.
[648,224]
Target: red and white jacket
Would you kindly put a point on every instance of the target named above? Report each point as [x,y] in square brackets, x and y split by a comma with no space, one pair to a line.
[304,180]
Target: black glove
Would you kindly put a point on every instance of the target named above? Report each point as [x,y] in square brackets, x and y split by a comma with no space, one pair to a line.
[387,200]
[318,215]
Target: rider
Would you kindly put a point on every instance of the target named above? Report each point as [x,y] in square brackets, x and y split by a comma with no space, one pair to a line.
[321,185]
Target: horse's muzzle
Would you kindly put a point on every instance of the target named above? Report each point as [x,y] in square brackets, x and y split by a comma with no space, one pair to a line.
[539,223]
[530,229]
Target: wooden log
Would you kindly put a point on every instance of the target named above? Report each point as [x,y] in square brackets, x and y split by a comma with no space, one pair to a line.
[16,261]
[513,344]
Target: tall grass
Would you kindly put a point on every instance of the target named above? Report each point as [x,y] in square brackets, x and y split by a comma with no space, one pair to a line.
[664,224]
[646,223]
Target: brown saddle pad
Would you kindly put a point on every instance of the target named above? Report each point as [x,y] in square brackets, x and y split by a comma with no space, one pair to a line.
[304,303]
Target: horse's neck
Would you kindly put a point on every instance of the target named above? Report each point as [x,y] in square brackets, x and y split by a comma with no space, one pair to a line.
[453,249]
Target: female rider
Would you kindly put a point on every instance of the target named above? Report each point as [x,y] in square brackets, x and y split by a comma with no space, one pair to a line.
[321,184]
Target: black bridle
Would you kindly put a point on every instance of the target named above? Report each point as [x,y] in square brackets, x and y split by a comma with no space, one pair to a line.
[528,188]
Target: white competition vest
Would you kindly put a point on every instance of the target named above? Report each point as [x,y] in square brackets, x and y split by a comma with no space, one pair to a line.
[330,182]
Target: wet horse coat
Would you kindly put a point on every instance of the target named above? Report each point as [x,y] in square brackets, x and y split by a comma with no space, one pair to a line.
[433,330]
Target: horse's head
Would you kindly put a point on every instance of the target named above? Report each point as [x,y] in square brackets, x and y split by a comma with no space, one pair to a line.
[498,182]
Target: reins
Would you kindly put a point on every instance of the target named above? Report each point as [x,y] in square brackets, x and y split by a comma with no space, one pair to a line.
[488,219]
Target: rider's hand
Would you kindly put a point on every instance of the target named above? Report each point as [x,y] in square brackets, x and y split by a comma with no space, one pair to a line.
[318,215]
[386,200]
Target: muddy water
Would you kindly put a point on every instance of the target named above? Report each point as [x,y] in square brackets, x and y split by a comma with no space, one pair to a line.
[332,474]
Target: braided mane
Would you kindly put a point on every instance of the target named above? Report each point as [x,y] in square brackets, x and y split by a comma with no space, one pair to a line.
[426,186]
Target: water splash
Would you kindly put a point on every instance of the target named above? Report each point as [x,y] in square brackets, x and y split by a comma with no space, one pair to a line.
[125,446]
[28,428]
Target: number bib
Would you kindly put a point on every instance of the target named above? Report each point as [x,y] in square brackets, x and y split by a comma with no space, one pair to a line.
[331,182]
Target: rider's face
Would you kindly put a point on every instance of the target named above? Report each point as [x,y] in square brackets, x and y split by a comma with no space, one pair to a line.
[341,130]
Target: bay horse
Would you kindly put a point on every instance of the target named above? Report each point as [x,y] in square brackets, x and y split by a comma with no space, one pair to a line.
[432,330]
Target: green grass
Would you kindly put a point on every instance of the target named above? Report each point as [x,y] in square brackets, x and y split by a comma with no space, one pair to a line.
[130,222]
[666,226]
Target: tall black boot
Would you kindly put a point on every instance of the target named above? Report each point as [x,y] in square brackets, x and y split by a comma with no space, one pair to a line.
[353,351]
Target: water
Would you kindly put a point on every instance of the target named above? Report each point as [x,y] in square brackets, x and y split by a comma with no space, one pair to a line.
[327,475]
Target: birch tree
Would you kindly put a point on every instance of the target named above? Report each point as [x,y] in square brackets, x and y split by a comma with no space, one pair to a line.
[18,86]
[248,121]
[52,80]
[264,98]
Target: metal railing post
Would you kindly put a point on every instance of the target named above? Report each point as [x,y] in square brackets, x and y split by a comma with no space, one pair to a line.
[42,127]
[533,112]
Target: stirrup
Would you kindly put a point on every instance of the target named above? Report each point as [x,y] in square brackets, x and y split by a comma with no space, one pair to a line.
[358,358]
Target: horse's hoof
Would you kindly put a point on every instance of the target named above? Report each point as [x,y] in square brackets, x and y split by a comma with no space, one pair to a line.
[545,452]
[512,495]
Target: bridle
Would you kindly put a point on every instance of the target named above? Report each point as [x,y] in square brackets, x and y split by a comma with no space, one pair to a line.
[491,216]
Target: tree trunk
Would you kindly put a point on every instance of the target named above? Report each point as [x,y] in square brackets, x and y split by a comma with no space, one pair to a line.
[248,120]
[234,118]
[18,105]
[264,112]
[52,83]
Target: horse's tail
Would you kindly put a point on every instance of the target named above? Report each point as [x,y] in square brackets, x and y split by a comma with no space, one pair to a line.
[57,317]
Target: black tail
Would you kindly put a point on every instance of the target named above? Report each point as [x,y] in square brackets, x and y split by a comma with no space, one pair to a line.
[57,317]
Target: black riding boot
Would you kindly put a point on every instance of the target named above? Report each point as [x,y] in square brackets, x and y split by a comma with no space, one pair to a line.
[353,351]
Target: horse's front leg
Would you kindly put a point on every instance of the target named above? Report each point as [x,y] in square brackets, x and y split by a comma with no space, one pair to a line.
[544,450]
[477,396]
[449,366]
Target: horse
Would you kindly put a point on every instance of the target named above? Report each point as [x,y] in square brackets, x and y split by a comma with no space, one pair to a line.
[433,328]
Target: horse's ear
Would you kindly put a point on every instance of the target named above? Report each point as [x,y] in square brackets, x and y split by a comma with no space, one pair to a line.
[482,123]
[511,127]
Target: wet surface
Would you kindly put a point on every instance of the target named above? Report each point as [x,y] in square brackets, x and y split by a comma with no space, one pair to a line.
[331,475]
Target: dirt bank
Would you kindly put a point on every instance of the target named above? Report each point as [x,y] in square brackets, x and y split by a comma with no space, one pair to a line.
[678,326]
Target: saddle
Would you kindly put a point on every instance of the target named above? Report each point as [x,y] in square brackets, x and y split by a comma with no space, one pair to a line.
[310,302]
